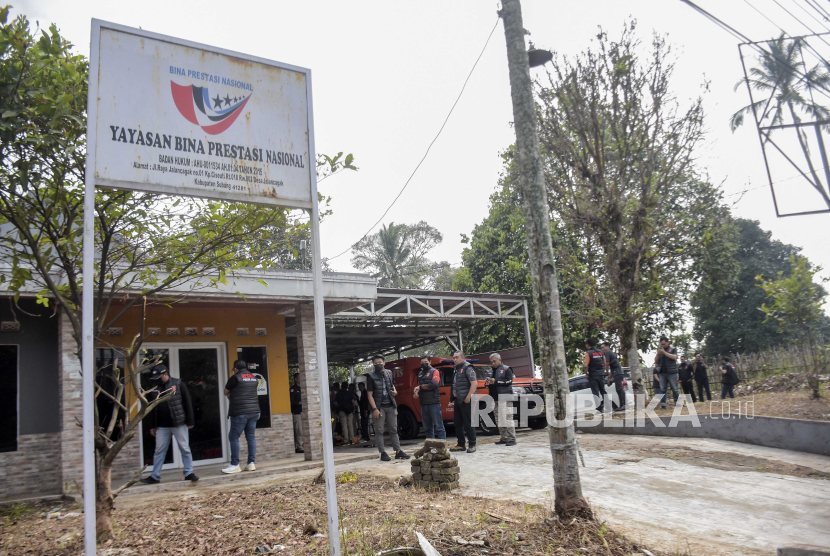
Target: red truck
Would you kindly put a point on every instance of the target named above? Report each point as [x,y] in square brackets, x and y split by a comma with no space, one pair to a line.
[405,372]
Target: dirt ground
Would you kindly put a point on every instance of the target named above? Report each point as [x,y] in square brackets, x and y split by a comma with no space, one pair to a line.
[681,496]
[668,496]
[376,514]
[777,396]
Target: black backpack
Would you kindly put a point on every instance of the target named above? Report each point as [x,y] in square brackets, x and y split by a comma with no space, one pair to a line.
[732,374]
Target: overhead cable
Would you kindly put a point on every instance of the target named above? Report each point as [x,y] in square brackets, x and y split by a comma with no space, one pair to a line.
[428,148]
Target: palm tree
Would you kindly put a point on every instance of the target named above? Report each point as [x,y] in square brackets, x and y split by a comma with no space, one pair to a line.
[782,74]
[396,255]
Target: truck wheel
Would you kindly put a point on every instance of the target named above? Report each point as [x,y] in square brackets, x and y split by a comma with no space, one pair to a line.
[408,425]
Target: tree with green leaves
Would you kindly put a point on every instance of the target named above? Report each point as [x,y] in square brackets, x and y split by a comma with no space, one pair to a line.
[145,244]
[797,302]
[782,74]
[621,176]
[397,255]
[727,320]
[495,260]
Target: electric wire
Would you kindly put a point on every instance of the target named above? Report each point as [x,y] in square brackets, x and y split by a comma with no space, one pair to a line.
[805,26]
[382,216]
[765,17]
[752,44]
[817,20]
[821,11]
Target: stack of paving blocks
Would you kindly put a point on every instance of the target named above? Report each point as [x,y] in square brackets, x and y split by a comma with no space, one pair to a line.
[433,467]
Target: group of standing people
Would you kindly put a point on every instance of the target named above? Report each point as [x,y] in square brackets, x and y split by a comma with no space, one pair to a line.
[667,372]
[174,418]
[351,406]
[602,366]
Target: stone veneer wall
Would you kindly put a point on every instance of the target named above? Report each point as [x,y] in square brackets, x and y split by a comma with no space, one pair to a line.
[309,382]
[71,409]
[274,443]
[33,469]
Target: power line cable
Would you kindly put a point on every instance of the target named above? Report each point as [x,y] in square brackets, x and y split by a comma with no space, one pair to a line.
[811,15]
[765,17]
[428,148]
[753,44]
[806,27]
[821,11]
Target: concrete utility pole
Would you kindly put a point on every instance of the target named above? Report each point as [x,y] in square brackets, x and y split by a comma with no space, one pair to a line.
[567,487]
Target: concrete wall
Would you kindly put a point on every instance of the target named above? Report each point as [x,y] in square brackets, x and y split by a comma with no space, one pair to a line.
[789,434]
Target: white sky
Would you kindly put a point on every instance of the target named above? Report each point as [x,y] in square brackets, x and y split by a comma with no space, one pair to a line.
[386,74]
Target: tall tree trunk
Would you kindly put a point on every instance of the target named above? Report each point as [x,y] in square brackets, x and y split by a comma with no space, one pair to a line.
[567,486]
[103,502]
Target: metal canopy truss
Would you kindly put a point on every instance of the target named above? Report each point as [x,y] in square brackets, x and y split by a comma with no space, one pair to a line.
[419,304]
[400,320]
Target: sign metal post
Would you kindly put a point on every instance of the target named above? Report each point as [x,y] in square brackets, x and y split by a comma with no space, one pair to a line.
[170,136]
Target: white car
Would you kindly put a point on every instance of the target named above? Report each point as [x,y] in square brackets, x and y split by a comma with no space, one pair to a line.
[584,401]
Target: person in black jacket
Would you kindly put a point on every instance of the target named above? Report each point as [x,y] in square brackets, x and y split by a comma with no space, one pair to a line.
[171,418]
[594,365]
[295,394]
[363,406]
[344,400]
[701,372]
[666,362]
[501,385]
[729,378]
[428,393]
[241,390]
[615,370]
[686,378]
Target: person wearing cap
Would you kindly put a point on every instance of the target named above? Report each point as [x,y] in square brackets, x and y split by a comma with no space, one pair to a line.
[241,390]
[428,393]
[171,418]
[501,385]
[296,396]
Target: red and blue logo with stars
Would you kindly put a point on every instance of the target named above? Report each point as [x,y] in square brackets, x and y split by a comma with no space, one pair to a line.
[213,115]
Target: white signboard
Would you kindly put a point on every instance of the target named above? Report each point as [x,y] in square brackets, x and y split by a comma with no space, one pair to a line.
[185,119]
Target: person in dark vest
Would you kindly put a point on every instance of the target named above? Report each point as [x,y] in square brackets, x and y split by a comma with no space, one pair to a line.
[244,413]
[464,384]
[666,361]
[729,378]
[500,385]
[594,365]
[381,392]
[171,418]
[355,418]
[363,406]
[428,393]
[613,367]
[655,383]
[687,378]
[295,394]
[344,401]
[701,373]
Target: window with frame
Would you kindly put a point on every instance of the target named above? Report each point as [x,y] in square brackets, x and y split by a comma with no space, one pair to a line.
[8,398]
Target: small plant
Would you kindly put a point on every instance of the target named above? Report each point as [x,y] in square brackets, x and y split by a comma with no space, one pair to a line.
[798,302]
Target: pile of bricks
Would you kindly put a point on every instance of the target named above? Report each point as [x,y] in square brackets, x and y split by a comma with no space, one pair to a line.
[433,468]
